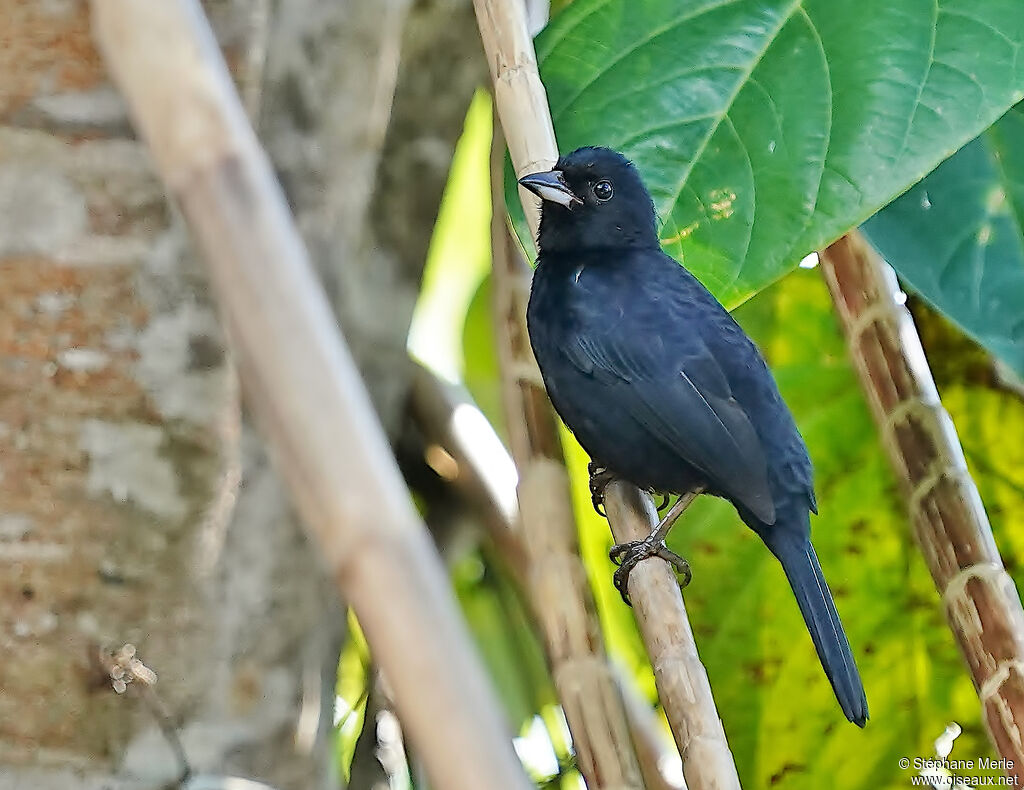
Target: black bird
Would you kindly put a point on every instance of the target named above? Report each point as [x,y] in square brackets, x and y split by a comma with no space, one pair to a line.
[664,389]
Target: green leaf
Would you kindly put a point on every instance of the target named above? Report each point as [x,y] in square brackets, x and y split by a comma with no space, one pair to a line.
[767,128]
[350,694]
[507,644]
[780,714]
[460,248]
[957,238]
[480,358]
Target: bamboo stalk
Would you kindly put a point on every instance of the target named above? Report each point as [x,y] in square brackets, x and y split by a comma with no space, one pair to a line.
[557,580]
[656,759]
[437,406]
[557,583]
[948,519]
[519,95]
[304,387]
[682,682]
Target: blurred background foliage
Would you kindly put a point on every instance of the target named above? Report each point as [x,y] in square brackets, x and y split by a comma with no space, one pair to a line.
[778,711]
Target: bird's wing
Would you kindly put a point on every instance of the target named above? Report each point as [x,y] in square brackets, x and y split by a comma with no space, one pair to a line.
[680,395]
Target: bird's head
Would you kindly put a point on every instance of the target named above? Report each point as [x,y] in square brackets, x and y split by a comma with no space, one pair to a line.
[593,198]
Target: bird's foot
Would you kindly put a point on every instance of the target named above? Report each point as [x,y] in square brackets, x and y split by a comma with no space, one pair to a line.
[600,477]
[628,555]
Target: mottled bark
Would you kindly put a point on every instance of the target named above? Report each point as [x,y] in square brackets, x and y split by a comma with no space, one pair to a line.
[365,178]
[134,505]
[134,509]
[303,386]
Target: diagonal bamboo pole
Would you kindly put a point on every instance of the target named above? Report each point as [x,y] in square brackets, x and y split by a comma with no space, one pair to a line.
[557,579]
[557,584]
[682,684]
[437,406]
[948,518]
[665,628]
[304,387]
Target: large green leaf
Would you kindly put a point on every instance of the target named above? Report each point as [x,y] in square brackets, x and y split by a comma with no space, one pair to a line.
[957,238]
[460,248]
[767,128]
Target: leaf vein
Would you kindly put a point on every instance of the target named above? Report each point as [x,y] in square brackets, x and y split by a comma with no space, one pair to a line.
[792,9]
[661,127]
[636,89]
[924,81]
[667,27]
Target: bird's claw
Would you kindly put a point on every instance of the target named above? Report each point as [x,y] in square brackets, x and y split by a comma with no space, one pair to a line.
[600,477]
[628,555]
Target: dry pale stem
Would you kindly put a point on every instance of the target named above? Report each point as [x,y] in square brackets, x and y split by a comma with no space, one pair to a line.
[556,580]
[682,682]
[656,757]
[435,404]
[304,388]
[519,95]
[949,521]
[521,103]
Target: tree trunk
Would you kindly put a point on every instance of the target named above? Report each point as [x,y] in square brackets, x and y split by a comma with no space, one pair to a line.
[135,504]
[364,176]
[136,508]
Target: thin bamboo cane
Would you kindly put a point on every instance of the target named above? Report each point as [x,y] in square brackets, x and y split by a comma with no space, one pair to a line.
[659,763]
[519,95]
[684,691]
[557,584]
[479,458]
[680,676]
[304,388]
[949,521]
[437,406]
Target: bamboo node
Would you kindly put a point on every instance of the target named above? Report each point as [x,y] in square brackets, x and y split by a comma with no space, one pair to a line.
[986,571]
[990,688]
[527,372]
[570,672]
[533,166]
[921,406]
[508,72]
[675,658]
[877,312]
[542,474]
[955,474]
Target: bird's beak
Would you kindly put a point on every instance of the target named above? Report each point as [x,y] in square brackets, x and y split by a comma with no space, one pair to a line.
[551,186]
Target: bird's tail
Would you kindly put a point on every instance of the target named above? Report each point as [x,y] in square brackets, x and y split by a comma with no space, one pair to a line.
[794,550]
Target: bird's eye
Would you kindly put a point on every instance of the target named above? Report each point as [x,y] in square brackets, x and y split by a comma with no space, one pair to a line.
[603,190]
